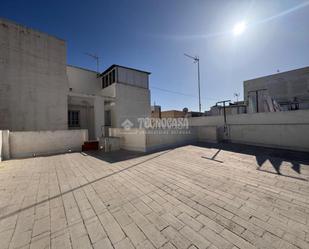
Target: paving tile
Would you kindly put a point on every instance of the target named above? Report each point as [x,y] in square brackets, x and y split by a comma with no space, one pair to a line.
[173,200]
[195,237]
[176,238]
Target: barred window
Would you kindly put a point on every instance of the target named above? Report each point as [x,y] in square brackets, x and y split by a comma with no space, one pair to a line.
[73,119]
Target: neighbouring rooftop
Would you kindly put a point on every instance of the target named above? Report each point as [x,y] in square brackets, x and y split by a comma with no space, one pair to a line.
[196,196]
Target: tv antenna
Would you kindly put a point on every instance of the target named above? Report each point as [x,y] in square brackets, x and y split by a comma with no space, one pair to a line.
[96,58]
[236,95]
[196,60]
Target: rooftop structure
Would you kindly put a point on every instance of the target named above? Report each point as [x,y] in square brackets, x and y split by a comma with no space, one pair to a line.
[40,92]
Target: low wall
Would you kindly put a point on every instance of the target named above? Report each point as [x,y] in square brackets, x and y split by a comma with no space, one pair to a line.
[286,130]
[4,145]
[0,146]
[160,138]
[133,139]
[29,143]
[146,140]
[207,134]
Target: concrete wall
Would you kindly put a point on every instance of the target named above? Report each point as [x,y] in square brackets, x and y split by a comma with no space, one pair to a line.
[159,139]
[129,103]
[286,130]
[26,144]
[0,146]
[83,81]
[134,139]
[5,144]
[282,86]
[146,140]
[207,134]
[33,82]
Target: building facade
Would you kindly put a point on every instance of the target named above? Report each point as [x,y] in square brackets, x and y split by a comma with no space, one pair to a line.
[287,91]
[39,91]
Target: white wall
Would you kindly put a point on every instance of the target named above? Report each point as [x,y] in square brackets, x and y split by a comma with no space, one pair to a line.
[0,146]
[129,103]
[4,145]
[99,117]
[146,140]
[33,82]
[282,86]
[159,138]
[134,139]
[83,81]
[286,130]
[25,144]
[207,134]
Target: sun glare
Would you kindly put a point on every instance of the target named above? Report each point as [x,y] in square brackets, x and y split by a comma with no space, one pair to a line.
[239,28]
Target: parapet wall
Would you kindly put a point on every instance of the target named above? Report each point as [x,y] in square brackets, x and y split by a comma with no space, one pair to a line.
[23,144]
[285,130]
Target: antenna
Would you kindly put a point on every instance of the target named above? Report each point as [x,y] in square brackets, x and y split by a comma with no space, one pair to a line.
[196,60]
[95,57]
[236,95]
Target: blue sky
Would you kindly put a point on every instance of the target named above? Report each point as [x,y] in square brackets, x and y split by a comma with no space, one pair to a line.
[152,35]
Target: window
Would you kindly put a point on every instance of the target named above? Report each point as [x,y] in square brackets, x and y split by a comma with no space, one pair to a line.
[113,76]
[108,118]
[109,79]
[73,119]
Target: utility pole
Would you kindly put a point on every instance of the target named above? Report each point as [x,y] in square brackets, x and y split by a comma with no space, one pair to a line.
[196,60]
[95,57]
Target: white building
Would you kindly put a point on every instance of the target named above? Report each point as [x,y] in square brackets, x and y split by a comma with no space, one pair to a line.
[39,91]
[290,90]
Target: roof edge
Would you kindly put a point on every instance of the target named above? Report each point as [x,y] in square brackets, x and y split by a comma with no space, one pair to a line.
[130,68]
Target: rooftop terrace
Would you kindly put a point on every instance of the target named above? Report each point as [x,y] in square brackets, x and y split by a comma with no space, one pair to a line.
[199,196]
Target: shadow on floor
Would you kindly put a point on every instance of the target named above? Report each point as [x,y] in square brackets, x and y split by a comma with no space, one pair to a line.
[275,156]
[123,155]
[114,156]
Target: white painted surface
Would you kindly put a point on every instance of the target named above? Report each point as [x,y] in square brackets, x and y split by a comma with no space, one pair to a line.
[27,143]
[5,150]
[0,145]
[207,134]
[130,103]
[33,82]
[159,138]
[134,139]
[98,117]
[83,81]
[283,87]
[111,144]
[286,130]
[145,140]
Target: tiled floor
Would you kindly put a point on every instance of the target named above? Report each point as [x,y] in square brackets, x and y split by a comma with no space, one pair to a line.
[188,197]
